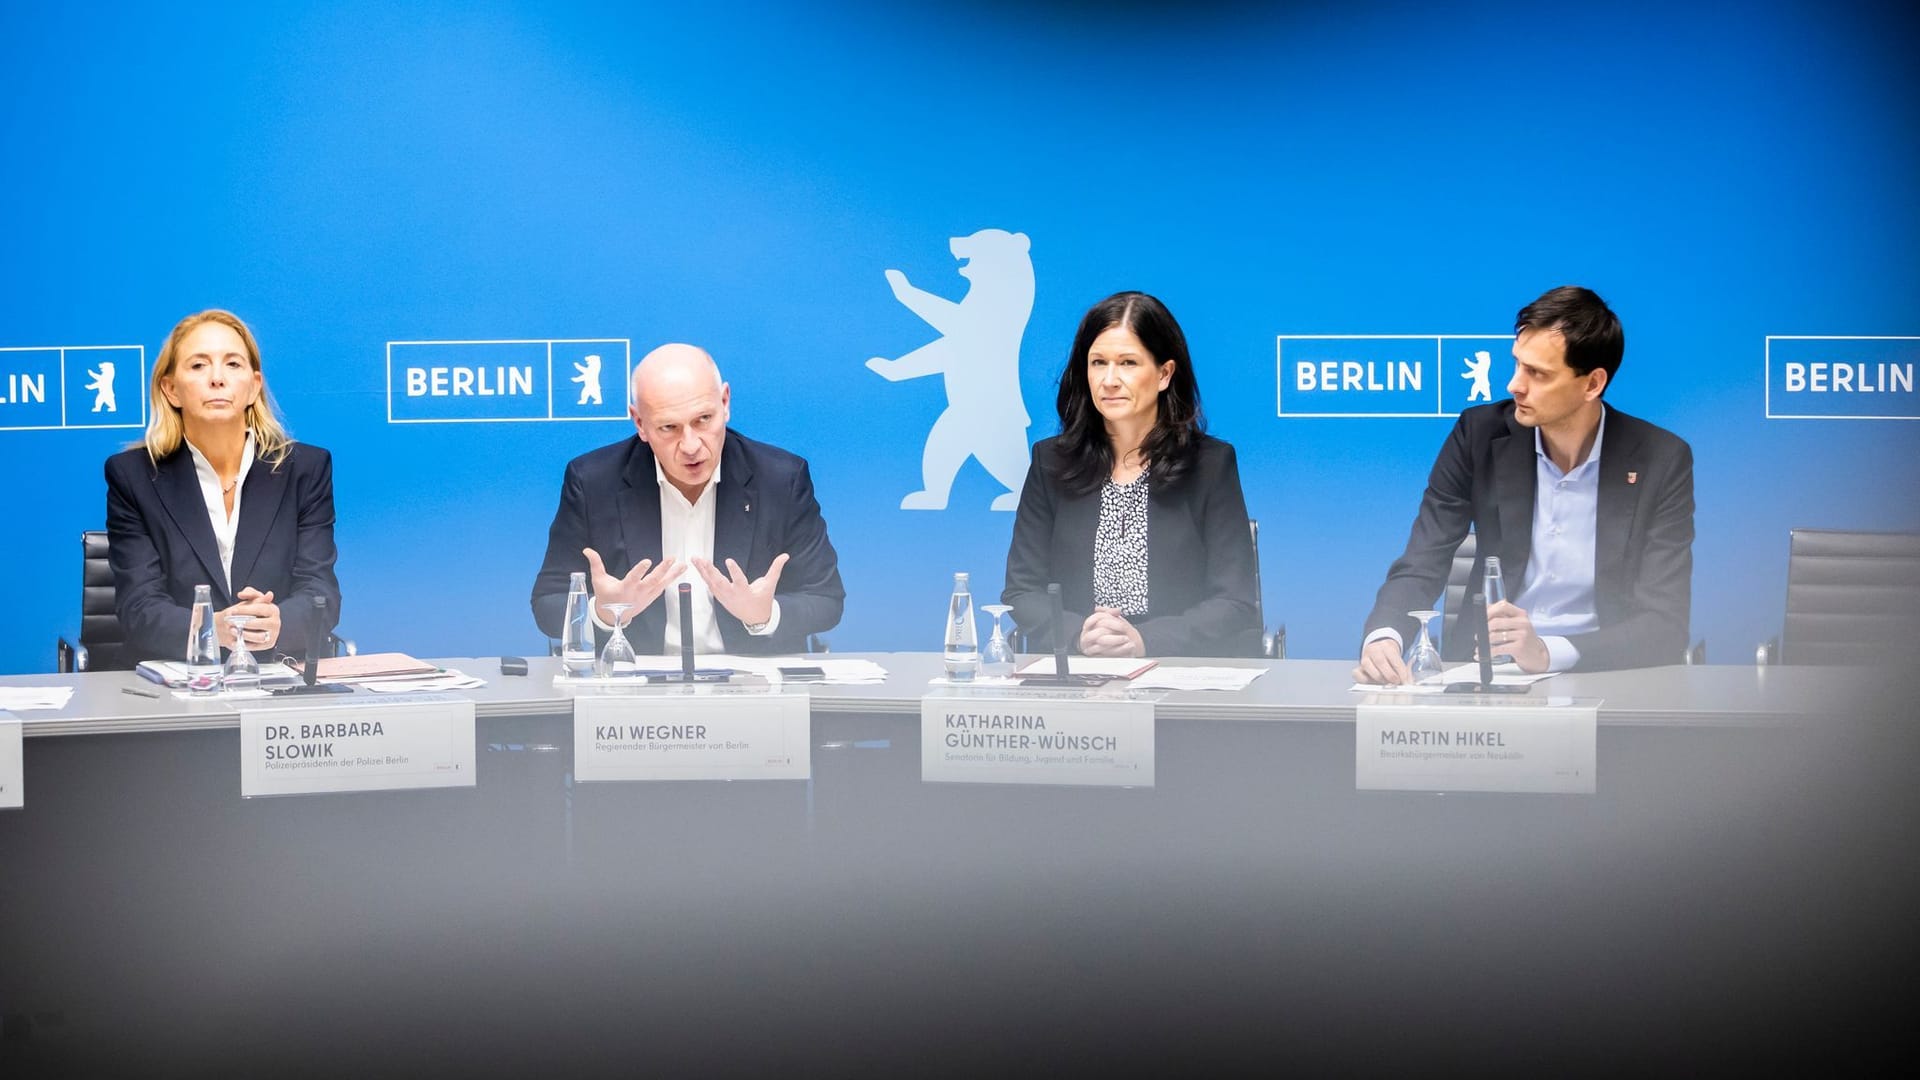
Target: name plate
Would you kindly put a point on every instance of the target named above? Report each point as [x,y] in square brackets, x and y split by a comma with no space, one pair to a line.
[1036,740]
[677,735]
[371,744]
[13,791]
[1510,748]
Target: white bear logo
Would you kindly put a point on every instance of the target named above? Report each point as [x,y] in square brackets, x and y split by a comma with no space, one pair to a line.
[978,356]
[1477,366]
[588,376]
[102,387]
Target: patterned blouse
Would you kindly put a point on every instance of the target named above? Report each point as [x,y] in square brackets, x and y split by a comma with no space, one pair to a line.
[1120,547]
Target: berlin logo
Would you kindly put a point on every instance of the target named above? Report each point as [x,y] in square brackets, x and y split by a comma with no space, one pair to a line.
[72,386]
[1385,375]
[1842,378]
[499,381]
[977,356]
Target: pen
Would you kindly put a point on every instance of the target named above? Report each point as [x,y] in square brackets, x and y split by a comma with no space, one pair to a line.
[136,690]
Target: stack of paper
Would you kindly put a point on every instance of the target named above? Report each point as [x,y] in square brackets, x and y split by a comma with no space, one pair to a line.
[838,670]
[777,670]
[369,668]
[174,673]
[1119,667]
[1168,677]
[22,698]
[408,684]
[1503,675]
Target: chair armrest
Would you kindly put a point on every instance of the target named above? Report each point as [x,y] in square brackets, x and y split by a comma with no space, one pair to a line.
[341,645]
[818,643]
[1768,652]
[69,655]
[1696,653]
[1273,645]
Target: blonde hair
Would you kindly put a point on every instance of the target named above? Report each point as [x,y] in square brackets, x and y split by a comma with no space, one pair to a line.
[166,431]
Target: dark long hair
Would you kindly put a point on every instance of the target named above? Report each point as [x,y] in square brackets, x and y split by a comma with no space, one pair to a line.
[1086,453]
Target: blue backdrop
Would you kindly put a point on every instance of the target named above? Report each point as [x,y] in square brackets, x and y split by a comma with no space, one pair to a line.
[347,175]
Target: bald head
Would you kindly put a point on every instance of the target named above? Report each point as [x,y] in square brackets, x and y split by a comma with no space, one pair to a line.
[680,410]
[671,368]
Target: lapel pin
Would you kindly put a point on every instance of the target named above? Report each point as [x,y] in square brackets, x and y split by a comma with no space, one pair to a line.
[1633,478]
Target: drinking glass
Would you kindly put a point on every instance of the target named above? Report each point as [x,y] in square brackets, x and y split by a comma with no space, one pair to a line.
[617,658]
[997,657]
[241,671]
[1423,660]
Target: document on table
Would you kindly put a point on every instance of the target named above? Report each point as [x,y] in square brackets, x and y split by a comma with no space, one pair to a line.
[449,679]
[836,670]
[1170,677]
[1120,667]
[839,671]
[22,698]
[1503,675]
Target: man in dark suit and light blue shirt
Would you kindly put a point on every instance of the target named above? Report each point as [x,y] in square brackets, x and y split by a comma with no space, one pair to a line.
[685,499]
[1590,511]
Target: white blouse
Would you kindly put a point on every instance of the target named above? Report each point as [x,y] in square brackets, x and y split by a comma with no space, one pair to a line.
[225,526]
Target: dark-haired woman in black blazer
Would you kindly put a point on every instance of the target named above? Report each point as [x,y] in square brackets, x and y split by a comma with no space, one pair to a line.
[1133,509]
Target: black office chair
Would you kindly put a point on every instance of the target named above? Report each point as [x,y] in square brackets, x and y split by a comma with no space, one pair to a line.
[1453,599]
[101,644]
[1852,598]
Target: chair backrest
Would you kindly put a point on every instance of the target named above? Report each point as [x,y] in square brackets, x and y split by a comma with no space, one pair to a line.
[100,628]
[1852,597]
[1454,599]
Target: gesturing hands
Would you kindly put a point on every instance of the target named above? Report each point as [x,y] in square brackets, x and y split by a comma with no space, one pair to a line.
[641,586]
[1108,633]
[749,601]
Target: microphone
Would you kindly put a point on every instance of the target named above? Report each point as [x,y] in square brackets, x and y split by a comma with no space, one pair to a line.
[1476,615]
[1059,629]
[1485,637]
[686,631]
[316,623]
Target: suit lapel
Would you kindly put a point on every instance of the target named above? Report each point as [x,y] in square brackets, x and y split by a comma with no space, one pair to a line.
[639,512]
[1617,505]
[639,503]
[1515,475]
[1079,520]
[179,487]
[261,498]
[734,511]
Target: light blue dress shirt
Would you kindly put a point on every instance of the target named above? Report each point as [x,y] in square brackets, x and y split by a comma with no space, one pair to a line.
[1558,592]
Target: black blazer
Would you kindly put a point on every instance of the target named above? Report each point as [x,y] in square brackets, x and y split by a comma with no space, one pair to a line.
[160,545]
[1643,547]
[610,502]
[1200,573]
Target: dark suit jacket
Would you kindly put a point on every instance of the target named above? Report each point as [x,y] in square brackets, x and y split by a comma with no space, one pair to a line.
[1200,573]
[1643,550]
[160,544]
[610,502]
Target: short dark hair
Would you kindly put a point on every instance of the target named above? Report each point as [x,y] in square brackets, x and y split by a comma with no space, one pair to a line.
[1086,452]
[1589,327]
